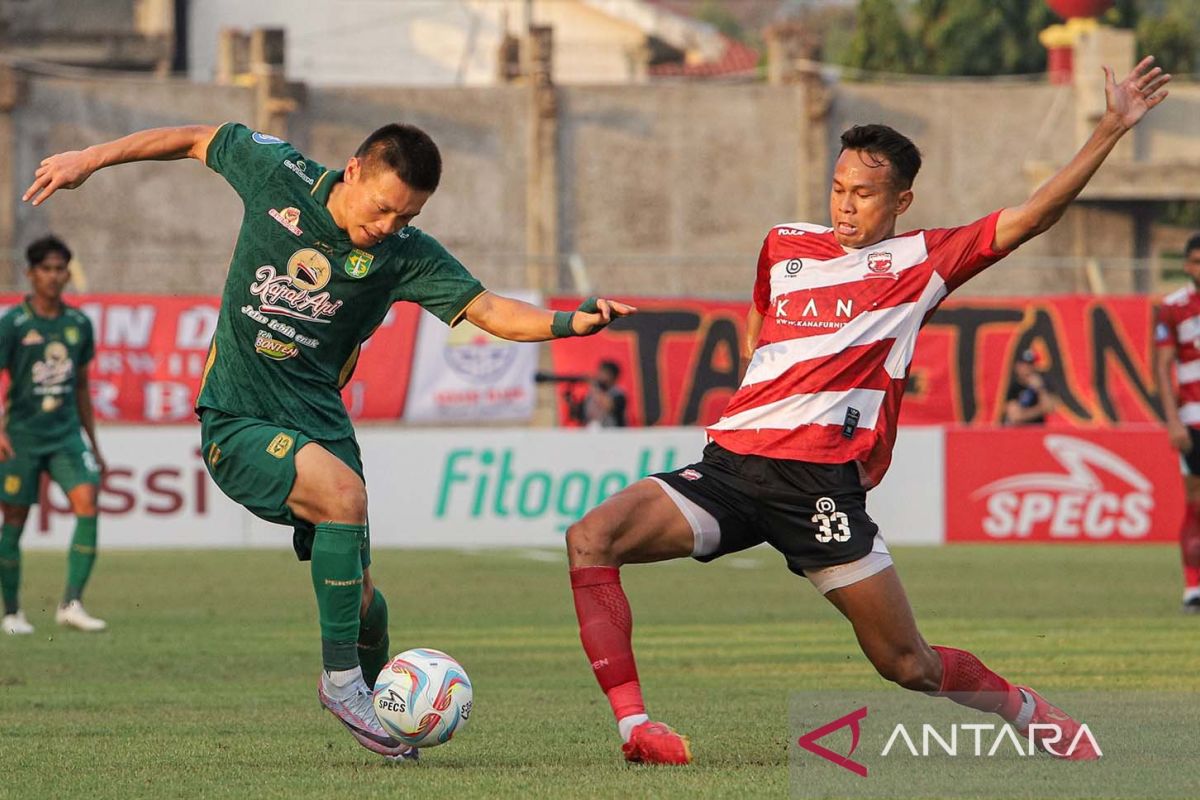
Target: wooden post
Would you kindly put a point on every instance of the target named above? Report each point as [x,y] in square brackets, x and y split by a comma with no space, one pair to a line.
[273,101]
[541,188]
[793,56]
[12,90]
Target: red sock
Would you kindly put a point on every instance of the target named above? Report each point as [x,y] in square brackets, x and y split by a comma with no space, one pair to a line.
[1191,577]
[967,681]
[606,630]
[1189,545]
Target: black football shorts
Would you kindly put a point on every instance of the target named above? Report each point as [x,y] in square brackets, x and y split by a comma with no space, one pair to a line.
[814,514]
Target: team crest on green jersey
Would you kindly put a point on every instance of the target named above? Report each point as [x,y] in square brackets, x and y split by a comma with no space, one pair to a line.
[358,263]
[71,334]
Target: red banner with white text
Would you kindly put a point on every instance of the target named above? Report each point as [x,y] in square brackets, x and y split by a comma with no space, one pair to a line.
[681,359]
[150,354]
[1036,484]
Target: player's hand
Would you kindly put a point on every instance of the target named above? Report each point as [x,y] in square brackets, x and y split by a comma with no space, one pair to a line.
[63,171]
[1142,90]
[101,464]
[6,448]
[585,323]
[1180,438]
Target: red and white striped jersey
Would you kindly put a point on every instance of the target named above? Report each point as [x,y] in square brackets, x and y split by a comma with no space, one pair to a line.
[829,370]
[1178,325]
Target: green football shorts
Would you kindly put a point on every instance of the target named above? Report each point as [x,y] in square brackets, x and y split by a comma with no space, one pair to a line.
[70,465]
[254,463]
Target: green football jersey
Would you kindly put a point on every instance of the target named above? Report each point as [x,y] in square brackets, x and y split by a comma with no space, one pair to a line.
[44,356]
[300,299]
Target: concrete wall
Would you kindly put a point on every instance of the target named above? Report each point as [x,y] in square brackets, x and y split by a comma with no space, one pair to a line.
[662,189]
[671,189]
[479,209]
[152,227]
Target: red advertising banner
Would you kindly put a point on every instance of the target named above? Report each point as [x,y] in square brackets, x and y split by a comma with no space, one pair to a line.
[1096,353]
[150,354]
[681,360]
[1037,484]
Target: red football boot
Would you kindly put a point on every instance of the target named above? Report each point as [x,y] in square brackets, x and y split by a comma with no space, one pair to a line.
[656,743]
[1045,713]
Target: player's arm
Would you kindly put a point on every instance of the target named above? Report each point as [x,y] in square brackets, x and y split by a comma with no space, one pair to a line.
[518,321]
[87,415]
[70,169]
[6,342]
[754,322]
[1127,102]
[6,448]
[1177,432]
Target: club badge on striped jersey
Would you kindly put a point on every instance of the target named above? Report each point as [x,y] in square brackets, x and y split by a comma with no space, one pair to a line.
[879,265]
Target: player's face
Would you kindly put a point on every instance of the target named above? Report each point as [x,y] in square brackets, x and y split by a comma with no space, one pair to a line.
[864,201]
[377,203]
[1191,265]
[49,277]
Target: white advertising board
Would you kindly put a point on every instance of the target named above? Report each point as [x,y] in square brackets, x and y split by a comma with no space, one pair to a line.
[457,487]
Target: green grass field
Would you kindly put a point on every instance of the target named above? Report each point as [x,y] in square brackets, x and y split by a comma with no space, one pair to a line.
[205,684]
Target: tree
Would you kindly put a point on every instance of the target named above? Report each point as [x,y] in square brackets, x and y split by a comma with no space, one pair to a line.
[717,14]
[881,43]
[978,37]
[1172,35]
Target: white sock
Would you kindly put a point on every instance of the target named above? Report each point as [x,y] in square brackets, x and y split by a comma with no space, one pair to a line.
[1025,715]
[1189,594]
[344,677]
[626,725]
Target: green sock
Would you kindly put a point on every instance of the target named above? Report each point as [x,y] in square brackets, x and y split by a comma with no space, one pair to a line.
[10,566]
[80,557]
[337,578]
[373,638]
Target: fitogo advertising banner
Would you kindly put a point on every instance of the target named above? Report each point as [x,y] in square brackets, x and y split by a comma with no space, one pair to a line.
[681,359]
[151,352]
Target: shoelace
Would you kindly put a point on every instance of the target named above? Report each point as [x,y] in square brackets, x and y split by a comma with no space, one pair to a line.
[362,706]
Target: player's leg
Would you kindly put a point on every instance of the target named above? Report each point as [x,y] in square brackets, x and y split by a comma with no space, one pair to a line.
[81,557]
[640,524]
[373,643]
[14,621]
[331,495]
[1189,534]
[74,469]
[333,498]
[19,475]
[877,606]
[282,476]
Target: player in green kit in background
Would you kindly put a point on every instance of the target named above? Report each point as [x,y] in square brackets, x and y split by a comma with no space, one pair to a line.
[46,347]
[321,256]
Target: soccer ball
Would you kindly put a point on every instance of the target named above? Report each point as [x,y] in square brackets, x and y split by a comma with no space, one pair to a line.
[423,697]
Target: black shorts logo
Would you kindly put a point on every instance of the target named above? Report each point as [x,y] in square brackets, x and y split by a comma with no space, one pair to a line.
[832,525]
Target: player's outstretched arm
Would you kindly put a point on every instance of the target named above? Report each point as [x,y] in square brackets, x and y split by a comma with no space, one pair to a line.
[522,322]
[87,416]
[70,169]
[1127,102]
[1164,361]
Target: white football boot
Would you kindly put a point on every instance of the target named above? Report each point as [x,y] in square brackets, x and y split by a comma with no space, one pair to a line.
[72,615]
[354,707]
[16,624]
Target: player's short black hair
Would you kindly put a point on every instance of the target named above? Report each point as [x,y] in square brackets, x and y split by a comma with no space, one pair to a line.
[885,143]
[1192,244]
[406,150]
[38,250]
[612,367]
